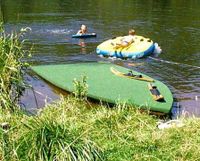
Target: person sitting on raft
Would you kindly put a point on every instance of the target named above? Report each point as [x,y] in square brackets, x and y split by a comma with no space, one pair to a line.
[125,40]
[83,30]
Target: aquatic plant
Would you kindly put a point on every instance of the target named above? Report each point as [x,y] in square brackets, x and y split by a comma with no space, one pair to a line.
[80,88]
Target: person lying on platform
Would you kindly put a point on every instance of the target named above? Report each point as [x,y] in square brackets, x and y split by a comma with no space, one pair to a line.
[125,40]
[83,30]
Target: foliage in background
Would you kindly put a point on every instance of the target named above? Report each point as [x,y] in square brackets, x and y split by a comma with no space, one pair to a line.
[11,74]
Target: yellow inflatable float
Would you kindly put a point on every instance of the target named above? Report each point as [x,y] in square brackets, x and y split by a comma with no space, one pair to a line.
[140,47]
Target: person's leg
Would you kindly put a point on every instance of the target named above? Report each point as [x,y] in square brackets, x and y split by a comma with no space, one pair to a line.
[124,44]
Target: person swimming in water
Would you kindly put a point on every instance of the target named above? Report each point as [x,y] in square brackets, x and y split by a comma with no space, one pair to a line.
[125,40]
[83,30]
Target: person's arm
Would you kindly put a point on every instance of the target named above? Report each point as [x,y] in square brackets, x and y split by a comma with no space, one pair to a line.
[79,32]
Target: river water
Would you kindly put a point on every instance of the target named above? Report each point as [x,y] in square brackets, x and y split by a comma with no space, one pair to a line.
[174,24]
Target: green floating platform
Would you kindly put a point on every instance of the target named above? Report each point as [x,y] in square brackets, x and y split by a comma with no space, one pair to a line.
[107,86]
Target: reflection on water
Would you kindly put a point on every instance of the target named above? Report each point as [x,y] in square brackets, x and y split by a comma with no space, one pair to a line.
[82,44]
[173,24]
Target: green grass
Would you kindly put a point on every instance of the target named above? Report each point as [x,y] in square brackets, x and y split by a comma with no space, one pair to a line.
[74,130]
[11,76]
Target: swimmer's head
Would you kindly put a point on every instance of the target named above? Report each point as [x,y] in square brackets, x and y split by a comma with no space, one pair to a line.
[131,32]
[84,27]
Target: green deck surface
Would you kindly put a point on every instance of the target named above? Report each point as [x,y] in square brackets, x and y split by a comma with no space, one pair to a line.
[106,86]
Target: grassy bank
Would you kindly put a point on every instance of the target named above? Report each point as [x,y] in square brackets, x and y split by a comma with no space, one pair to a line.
[72,130]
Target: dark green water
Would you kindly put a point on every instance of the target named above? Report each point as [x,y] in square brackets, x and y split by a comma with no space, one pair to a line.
[174,24]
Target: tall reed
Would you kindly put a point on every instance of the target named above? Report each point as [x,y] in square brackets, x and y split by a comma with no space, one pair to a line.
[11,75]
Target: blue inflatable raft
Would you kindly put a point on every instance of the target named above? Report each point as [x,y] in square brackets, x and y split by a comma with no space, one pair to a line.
[84,35]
